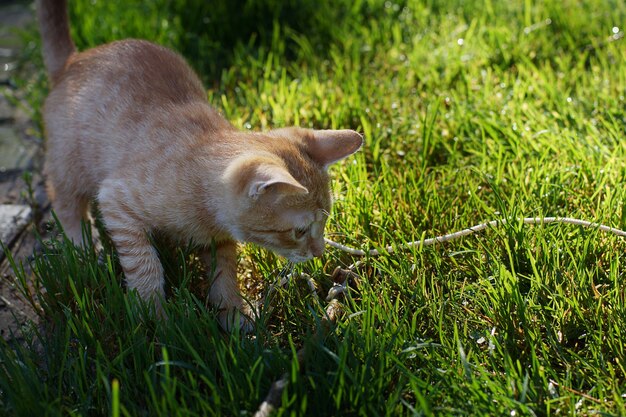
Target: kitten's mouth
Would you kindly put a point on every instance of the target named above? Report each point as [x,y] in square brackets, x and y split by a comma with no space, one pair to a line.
[296,259]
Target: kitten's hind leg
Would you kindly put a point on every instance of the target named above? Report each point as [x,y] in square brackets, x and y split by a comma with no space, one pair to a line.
[71,210]
[139,259]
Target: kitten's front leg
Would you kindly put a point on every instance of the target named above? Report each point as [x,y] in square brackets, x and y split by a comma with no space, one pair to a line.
[221,261]
[139,259]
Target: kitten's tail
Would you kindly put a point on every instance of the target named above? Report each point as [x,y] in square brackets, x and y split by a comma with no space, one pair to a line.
[55,33]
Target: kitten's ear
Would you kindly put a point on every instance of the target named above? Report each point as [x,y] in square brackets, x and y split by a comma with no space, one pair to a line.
[253,176]
[270,178]
[329,146]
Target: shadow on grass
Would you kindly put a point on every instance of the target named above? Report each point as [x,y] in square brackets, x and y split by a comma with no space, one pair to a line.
[209,33]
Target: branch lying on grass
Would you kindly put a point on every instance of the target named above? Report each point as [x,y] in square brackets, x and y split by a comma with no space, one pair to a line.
[475,229]
[333,310]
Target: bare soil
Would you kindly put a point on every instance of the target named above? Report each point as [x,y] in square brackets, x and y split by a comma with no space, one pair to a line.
[20,153]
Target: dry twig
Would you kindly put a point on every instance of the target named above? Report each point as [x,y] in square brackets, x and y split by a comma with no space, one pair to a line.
[474,229]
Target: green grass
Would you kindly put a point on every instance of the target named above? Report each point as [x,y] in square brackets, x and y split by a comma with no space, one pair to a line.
[471,111]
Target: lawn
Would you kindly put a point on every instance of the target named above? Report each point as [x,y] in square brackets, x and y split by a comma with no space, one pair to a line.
[471,111]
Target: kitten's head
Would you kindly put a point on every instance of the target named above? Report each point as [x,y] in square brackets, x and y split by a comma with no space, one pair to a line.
[281,189]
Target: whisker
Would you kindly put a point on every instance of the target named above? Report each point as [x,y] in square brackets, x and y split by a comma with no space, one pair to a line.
[286,270]
[336,234]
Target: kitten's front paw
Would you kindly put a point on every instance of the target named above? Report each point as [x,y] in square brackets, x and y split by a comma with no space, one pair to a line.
[232,318]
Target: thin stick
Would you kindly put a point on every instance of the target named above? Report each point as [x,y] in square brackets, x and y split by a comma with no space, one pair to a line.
[475,229]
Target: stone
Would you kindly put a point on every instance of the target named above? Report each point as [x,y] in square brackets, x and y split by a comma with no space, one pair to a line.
[6,111]
[15,153]
[13,219]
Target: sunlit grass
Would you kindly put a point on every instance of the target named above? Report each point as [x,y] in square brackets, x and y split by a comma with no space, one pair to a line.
[471,111]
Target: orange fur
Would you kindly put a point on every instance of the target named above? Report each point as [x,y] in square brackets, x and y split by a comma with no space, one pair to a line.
[128,124]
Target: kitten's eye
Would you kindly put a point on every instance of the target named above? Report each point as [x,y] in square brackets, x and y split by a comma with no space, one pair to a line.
[300,232]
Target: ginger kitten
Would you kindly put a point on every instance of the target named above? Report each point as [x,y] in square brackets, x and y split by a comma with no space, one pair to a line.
[128,124]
